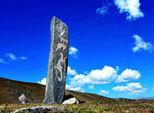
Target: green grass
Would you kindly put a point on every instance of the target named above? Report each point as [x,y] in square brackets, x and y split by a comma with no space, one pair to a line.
[90,108]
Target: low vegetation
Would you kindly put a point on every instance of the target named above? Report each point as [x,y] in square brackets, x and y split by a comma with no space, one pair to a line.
[90,108]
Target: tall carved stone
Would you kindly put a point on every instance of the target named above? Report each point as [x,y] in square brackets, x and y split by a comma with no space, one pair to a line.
[58,60]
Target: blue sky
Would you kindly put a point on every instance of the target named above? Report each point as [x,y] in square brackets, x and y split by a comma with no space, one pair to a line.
[111,44]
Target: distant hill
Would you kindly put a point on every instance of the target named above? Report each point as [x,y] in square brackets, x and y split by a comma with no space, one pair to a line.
[10,90]
[145,98]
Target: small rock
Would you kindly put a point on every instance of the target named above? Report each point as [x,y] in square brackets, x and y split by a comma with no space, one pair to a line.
[71,101]
[23,99]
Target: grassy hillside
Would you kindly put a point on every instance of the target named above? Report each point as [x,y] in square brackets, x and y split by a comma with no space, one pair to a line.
[10,91]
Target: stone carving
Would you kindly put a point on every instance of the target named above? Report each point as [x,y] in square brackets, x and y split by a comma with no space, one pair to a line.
[58,60]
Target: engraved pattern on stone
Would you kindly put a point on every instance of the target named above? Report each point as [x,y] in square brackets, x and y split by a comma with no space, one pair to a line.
[58,61]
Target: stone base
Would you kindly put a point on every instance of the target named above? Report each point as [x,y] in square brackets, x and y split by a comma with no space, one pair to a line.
[41,109]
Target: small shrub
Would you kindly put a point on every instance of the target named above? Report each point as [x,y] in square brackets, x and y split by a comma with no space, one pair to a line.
[152,109]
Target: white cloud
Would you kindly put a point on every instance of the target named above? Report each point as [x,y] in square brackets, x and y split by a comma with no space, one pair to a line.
[69,87]
[105,75]
[141,45]
[79,80]
[43,81]
[128,75]
[102,76]
[71,71]
[11,56]
[23,58]
[104,92]
[131,7]
[91,87]
[153,89]
[131,88]
[73,50]
[2,61]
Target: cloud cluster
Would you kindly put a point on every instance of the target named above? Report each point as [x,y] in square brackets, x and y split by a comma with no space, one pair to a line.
[104,76]
[107,75]
[140,44]
[131,88]
[130,7]
[12,57]
[104,92]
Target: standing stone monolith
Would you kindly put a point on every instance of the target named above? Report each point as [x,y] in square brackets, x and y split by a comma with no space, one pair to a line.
[58,61]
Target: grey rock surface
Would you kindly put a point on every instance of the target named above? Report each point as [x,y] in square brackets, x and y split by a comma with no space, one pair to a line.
[23,99]
[58,61]
[41,109]
[71,101]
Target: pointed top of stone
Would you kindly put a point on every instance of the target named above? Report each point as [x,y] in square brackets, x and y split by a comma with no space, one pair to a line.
[56,18]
